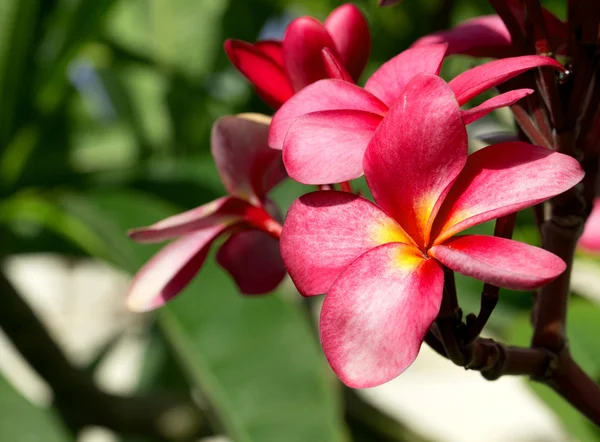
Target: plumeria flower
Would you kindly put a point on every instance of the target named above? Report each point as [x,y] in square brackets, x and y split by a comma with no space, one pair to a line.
[381,265]
[590,240]
[487,36]
[325,128]
[310,51]
[248,169]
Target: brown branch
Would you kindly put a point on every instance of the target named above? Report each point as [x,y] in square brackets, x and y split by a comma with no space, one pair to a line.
[494,360]
[77,399]
[573,384]
[559,236]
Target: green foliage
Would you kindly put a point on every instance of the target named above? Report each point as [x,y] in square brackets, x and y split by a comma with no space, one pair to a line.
[21,421]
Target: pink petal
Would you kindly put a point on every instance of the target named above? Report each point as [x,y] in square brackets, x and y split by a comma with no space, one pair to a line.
[334,68]
[170,270]
[323,95]
[479,79]
[417,152]
[272,49]
[501,179]
[499,261]
[590,240]
[302,43]
[389,80]
[328,146]
[502,100]
[264,72]
[242,155]
[253,259]
[484,36]
[377,313]
[350,33]
[223,212]
[325,231]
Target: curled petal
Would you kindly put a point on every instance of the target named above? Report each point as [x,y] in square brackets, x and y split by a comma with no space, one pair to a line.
[242,155]
[302,43]
[389,80]
[320,96]
[502,100]
[328,146]
[262,70]
[416,153]
[334,68]
[170,270]
[254,261]
[485,36]
[499,261]
[590,240]
[377,313]
[220,212]
[479,79]
[325,231]
[350,33]
[501,179]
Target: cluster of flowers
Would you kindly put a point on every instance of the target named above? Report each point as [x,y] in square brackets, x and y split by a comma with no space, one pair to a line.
[379,263]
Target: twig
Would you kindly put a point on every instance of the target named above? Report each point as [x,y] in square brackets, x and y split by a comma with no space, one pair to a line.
[494,360]
[559,236]
[572,383]
[448,318]
[489,297]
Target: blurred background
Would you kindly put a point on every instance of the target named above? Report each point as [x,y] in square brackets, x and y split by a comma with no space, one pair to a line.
[105,113]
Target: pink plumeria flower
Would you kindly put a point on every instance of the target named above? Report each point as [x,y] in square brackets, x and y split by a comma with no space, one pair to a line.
[325,128]
[487,36]
[310,51]
[381,265]
[590,240]
[248,169]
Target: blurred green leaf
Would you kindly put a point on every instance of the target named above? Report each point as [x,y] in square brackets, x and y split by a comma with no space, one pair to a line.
[179,34]
[583,328]
[71,27]
[17,33]
[37,212]
[256,359]
[21,421]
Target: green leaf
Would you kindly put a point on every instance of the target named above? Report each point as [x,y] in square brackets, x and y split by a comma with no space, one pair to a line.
[21,421]
[256,359]
[264,372]
[179,34]
[583,327]
[17,31]
[74,23]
